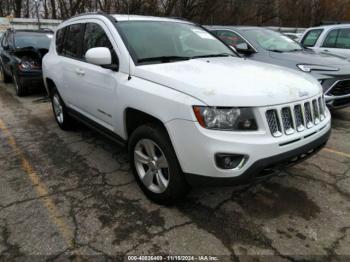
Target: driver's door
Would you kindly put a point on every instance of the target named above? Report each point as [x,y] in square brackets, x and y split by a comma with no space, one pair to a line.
[97,87]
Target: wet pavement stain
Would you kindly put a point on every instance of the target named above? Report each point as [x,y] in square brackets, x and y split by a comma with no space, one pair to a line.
[230,227]
[275,200]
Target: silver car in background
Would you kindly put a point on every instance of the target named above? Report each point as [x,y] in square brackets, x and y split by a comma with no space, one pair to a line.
[265,45]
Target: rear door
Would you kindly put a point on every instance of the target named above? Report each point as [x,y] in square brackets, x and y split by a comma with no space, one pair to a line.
[337,42]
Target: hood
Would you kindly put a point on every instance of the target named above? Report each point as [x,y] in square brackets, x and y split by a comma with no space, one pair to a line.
[310,57]
[232,81]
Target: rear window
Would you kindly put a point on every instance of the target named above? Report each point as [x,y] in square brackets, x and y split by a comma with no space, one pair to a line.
[339,38]
[32,40]
[311,37]
[343,40]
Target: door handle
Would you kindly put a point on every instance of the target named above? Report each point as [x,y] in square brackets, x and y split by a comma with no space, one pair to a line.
[79,72]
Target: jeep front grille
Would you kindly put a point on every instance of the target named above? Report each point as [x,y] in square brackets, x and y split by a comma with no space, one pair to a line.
[296,118]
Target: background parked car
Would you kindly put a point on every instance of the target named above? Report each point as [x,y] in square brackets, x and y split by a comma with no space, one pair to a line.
[333,39]
[21,56]
[268,46]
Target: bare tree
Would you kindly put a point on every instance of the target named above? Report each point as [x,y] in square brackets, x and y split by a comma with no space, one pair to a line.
[295,13]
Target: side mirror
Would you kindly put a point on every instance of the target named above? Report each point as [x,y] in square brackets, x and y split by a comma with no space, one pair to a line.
[233,48]
[243,48]
[100,56]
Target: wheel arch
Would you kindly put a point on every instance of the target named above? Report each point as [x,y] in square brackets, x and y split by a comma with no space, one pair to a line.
[50,86]
[133,118]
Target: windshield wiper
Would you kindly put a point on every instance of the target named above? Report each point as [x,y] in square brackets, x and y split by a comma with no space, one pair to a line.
[163,59]
[212,55]
[295,50]
[275,50]
[27,47]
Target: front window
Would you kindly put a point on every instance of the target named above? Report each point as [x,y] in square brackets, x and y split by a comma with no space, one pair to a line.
[272,41]
[310,39]
[160,42]
[229,37]
[32,40]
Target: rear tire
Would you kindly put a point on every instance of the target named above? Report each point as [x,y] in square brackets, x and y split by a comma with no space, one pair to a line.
[5,78]
[21,90]
[60,112]
[155,165]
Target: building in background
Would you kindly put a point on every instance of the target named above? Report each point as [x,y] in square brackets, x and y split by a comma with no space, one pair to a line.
[27,23]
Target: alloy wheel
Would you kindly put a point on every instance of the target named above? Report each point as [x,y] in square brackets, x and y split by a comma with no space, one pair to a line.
[152,166]
[58,109]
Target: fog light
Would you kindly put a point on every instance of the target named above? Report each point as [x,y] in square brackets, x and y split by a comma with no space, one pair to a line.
[226,161]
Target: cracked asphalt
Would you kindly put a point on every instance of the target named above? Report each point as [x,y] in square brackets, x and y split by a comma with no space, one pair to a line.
[72,194]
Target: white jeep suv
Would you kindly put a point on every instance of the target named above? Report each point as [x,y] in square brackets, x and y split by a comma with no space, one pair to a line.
[190,111]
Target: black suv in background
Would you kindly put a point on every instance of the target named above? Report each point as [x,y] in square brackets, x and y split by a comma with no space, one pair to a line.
[21,55]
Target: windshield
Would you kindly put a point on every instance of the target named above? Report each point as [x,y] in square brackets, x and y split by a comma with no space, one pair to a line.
[273,41]
[160,42]
[35,40]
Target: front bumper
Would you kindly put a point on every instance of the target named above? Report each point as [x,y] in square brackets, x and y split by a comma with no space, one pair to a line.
[196,148]
[337,99]
[31,78]
[265,167]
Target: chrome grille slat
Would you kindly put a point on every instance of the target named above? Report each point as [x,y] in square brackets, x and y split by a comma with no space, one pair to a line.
[322,108]
[308,115]
[316,112]
[299,118]
[296,118]
[287,121]
[273,122]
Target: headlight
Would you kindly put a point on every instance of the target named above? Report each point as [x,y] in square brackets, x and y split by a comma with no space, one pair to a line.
[227,119]
[25,65]
[309,68]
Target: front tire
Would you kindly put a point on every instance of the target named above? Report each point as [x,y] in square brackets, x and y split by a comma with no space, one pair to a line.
[59,109]
[21,90]
[155,165]
[5,78]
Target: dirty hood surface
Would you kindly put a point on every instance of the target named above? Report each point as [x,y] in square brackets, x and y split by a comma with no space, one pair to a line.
[232,81]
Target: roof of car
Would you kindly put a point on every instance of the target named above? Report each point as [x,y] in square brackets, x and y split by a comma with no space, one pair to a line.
[125,17]
[43,31]
[119,17]
[331,26]
[240,27]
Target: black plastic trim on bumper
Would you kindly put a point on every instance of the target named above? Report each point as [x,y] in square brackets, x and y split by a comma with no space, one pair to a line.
[272,163]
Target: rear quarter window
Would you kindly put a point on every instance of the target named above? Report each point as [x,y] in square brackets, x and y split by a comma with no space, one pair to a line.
[311,37]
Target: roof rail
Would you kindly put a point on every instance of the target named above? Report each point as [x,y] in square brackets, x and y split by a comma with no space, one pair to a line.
[109,17]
